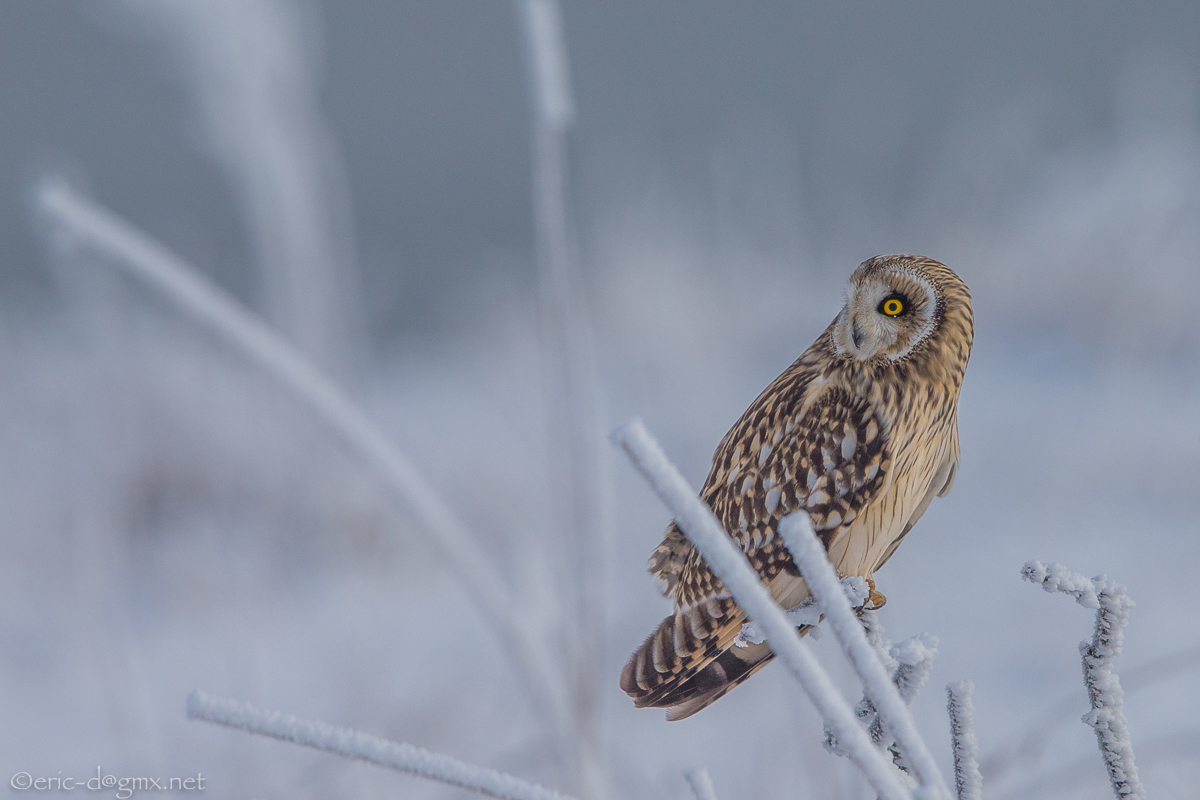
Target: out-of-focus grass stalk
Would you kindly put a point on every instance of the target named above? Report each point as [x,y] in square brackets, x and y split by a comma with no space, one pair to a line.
[572,390]
[251,71]
[1107,717]
[348,743]
[701,784]
[743,584]
[1033,738]
[809,555]
[79,223]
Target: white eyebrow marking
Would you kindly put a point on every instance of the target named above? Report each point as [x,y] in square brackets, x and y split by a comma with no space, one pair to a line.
[931,302]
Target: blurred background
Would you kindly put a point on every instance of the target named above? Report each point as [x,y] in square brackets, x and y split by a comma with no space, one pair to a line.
[361,176]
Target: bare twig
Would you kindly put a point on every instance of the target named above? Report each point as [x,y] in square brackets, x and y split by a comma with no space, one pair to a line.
[82,223]
[353,744]
[968,783]
[742,582]
[809,554]
[1107,717]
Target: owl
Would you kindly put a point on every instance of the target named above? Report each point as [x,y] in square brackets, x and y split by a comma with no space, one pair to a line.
[861,432]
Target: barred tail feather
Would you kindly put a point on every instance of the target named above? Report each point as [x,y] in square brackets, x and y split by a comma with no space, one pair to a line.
[683,644]
[710,684]
[689,661]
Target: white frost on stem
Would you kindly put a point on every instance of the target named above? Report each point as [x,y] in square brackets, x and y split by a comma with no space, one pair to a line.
[809,555]
[353,744]
[968,782]
[910,662]
[807,613]
[701,783]
[914,660]
[80,223]
[1057,578]
[876,635]
[1107,717]
[743,584]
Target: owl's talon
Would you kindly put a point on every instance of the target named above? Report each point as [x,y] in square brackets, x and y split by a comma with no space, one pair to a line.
[875,600]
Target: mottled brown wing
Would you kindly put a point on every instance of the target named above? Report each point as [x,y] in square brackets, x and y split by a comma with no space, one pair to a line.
[830,460]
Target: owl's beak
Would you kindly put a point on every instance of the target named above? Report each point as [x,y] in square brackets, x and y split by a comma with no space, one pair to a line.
[856,335]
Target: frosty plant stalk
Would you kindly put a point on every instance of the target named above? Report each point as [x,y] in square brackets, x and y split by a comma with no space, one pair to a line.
[1107,716]
[571,386]
[705,532]
[353,744]
[701,784]
[968,783]
[809,555]
[80,223]
[910,662]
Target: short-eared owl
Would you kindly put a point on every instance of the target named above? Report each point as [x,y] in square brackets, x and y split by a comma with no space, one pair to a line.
[861,432]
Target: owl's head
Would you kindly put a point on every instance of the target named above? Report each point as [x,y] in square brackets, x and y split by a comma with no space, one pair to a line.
[893,305]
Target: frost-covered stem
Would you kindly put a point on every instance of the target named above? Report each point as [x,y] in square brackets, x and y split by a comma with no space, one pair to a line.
[911,662]
[353,744]
[877,636]
[81,223]
[865,710]
[701,783]
[743,584]
[1104,690]
[914,660]
[1107,716]
[968,783]
[809,555]
[572,384]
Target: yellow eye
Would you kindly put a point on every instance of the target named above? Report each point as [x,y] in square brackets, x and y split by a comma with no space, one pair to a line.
[893,306]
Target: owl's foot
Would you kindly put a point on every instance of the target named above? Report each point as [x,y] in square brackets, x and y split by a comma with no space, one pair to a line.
[876,600]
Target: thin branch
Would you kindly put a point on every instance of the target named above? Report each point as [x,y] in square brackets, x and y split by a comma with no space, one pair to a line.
[742,582]
[81,222]
[353,744]
[1107,717]
[968,783]
[809,554]
[701,783]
